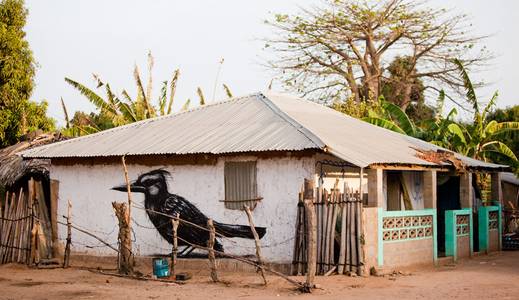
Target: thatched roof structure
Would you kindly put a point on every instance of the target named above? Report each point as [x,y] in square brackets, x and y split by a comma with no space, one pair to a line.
[13,167]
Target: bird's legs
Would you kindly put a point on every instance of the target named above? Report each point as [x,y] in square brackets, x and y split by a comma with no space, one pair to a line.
[186,251]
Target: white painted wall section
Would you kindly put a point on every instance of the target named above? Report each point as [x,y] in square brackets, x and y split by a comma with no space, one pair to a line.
[89,189]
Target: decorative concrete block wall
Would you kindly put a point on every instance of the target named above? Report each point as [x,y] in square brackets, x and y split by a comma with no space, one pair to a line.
[490,228]
[407,237]
[459,233]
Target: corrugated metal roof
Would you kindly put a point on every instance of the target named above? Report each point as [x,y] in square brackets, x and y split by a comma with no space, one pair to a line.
[258,122]
[510,178]
[359,142]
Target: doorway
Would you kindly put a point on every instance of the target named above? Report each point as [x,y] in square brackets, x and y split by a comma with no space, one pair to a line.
[448,191]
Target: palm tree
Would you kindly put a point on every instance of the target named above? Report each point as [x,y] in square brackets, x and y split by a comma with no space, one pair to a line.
[125,109]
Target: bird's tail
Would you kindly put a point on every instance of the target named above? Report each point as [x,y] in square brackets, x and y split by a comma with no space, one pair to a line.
[241,231]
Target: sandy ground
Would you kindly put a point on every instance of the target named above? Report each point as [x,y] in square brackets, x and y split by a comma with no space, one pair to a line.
[494,276]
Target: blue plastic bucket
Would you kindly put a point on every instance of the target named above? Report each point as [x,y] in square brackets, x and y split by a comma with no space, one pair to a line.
[160,267]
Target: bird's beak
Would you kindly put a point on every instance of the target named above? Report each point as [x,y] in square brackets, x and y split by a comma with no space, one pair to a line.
[134,187]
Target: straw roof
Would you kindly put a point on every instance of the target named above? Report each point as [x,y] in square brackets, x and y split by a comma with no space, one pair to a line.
[13,167]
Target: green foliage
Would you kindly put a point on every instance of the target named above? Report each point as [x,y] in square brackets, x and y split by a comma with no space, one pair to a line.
[357,110]
[114,110]
[491,136]
[36,117]
[509,137]
[18,115]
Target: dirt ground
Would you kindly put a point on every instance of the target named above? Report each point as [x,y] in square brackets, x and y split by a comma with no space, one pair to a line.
[495,276]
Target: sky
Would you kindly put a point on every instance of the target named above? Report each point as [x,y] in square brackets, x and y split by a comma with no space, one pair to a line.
[76,38]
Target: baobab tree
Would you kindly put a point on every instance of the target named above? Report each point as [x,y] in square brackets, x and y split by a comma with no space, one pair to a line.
[344,48]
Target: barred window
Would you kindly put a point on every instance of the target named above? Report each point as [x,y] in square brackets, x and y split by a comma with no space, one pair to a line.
[240,184]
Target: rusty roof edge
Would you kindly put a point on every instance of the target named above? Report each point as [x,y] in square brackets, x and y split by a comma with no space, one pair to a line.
[498,168]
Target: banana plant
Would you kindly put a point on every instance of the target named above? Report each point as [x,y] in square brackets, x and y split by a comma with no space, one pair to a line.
[392,117]
[483,138]
[125,109]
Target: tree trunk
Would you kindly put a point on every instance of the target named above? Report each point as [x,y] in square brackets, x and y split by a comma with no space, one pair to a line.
[125,240]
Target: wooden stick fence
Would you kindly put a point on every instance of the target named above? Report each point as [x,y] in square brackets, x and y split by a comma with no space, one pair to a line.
[23,215]
[338,230]
[174,223]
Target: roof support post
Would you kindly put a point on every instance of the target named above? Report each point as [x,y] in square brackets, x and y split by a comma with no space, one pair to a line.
[429,189]
[496,189]
[375,187]
[466,191]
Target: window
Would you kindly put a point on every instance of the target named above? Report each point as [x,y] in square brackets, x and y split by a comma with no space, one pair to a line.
[240,184]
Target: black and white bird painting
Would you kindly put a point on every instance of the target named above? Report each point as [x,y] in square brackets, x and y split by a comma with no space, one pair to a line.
[157,198]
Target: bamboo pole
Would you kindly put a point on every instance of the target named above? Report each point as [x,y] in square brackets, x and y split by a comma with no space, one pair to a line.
[66,258]
[257,242]
[312,233]
[174,223]
[210,246]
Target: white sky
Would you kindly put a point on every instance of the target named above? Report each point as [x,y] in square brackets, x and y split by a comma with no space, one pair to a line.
[78,38]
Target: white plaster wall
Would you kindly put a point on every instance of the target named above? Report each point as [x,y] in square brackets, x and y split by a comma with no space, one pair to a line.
[89,189]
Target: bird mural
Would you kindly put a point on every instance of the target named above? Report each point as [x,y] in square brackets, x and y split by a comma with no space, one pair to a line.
[157,198]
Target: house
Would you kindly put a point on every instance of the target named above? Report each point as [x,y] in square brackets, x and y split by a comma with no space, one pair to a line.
[257,150]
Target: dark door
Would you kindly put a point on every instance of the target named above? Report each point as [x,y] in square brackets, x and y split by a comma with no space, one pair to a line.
[448,199]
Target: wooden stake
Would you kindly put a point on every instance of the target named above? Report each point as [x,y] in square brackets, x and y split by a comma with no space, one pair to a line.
[312,234]
[31,221]
[342,250]
[326,230]
[257,242]
[125,238]
[35,252]
[296,261]
[335,211]
[66,258]
[129,192]
[174,223]
[362,268]
[210,245]
[54,192]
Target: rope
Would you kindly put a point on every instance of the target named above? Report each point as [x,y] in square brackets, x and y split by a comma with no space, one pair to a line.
[89,245]
[14,247]
[15,220]
[248,261]
[203,228]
